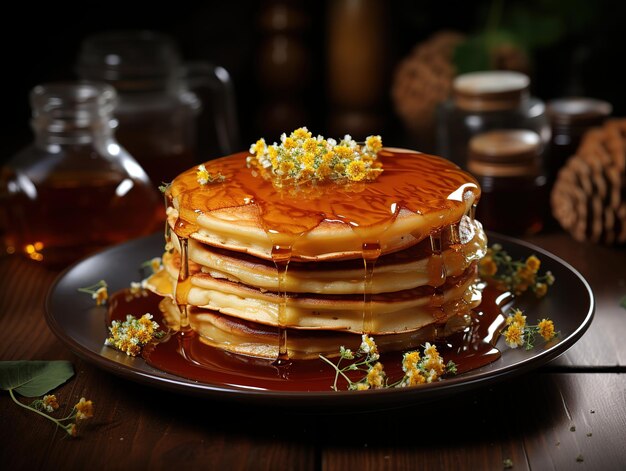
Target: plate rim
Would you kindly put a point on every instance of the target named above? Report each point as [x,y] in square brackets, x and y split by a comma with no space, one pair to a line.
[316,399]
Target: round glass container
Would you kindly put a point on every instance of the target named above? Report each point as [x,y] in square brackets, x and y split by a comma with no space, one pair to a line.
[507,164]
[74,190]
[484,101]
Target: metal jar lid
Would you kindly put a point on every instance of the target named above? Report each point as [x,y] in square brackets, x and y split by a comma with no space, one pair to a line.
[578,111]
[505,153]
[491,90]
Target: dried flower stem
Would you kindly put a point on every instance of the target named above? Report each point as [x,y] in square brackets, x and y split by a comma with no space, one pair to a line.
[75,413]
[417,369]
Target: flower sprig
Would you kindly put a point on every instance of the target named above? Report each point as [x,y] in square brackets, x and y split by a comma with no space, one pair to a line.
[518,333]
[204,177]
[131,335]
[517,276]
[417,369]
[82,410]
[99,292]
[302,158]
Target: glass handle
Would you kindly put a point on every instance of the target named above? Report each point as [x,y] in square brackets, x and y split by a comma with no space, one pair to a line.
[201,75]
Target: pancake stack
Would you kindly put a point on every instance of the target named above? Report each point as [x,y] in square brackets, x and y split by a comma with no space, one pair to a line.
[272,268]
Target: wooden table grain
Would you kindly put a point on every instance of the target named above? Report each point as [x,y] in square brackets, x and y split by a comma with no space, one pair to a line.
[570,414]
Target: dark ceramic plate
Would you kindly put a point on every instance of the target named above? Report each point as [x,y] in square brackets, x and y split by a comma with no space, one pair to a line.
[73,317]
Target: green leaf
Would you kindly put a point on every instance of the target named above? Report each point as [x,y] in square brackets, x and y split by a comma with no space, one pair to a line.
[34,378]
[623,302]
[471,55]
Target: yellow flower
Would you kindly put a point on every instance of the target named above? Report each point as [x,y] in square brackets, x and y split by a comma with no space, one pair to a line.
[272,151]
[410,360]
[416,379]
[313,159]
[546,329]
[376,376]
[301,133]
[286,166]
[487,266]
[343,152]
[84,409]
[328,157]
[309,145]
[71,430]
[50,403]
[533,263]
[362,386]
[518,317]
[356,170]
[101,295]
[323,171]
[526,274]
[374,143]
[290,143]
[541,289]
[308,160]
[202,175]
[514,335]
[259,147]
[131,335]
[368,345]
[432,361]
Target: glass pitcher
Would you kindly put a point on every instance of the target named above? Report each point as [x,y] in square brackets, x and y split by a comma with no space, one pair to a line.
[159,107]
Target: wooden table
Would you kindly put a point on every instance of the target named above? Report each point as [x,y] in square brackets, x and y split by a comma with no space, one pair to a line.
[570,414]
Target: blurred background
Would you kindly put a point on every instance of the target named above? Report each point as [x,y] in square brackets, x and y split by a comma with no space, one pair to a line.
[328,65]
[336,66]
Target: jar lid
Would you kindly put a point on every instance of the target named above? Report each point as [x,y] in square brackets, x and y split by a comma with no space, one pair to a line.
[506,152]
[491,90]
[578,110]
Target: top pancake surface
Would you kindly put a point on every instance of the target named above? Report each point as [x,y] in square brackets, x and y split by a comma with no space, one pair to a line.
[415,196]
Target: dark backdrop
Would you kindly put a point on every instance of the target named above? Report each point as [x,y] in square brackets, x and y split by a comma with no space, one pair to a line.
[585,59]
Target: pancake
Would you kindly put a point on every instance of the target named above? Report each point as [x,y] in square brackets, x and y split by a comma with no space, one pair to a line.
[417,195]
[268,267]
[251,339]
[399,311]
[397,271]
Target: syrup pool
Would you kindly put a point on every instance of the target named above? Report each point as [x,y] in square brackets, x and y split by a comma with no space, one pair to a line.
[184,355]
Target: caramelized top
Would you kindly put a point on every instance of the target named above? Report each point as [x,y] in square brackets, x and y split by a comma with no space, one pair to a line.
[411,184]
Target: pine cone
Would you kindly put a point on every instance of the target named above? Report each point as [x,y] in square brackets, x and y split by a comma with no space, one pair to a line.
[423,80]
[589,195]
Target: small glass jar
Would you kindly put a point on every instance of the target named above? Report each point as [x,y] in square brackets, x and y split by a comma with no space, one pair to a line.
[74,190]
[569,118]
[508,167]
[484,101]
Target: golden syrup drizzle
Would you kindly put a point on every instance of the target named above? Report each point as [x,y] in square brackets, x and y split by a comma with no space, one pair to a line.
[183,286]
[370,253]
[437,275]
[281,256]
[436,268]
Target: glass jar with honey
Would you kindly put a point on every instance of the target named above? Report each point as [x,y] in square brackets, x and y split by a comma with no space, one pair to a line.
[485,101]
[508,166]
[74,190]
